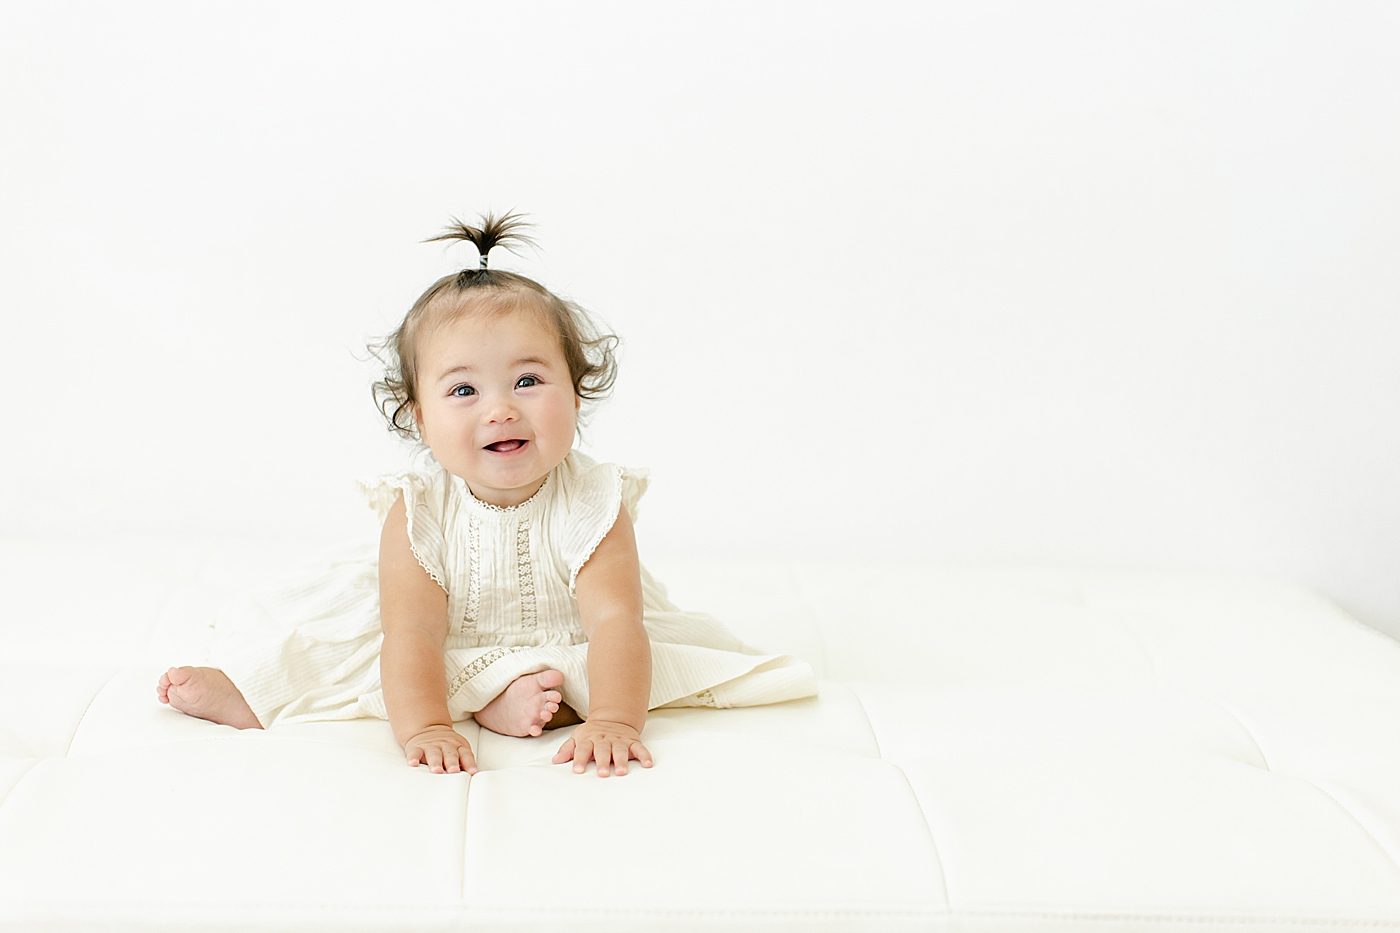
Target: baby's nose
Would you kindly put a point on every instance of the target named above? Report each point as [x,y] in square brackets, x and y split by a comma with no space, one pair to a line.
[502,409]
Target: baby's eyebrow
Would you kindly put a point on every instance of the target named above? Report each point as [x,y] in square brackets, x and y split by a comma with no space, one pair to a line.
[530,360]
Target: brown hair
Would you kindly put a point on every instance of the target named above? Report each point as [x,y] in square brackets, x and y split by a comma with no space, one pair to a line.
[589,351]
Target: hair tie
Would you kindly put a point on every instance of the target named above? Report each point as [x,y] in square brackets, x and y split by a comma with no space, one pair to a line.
[505,230]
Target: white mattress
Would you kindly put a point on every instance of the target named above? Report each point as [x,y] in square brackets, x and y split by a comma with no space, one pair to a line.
[992,749]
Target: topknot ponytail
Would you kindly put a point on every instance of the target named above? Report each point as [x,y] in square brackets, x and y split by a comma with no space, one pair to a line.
[494,231]
[588,349]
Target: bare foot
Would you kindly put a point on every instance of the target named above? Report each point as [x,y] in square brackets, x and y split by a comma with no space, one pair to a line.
[206,692]
[525,706]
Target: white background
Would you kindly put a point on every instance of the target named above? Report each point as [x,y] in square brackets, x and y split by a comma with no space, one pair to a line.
[1100,284]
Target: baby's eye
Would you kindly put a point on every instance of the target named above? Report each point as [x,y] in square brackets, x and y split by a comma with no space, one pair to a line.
[462,391]
[525,382]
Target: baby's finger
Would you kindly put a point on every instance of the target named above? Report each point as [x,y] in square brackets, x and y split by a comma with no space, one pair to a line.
[619,757]
[602,753]
[467,758]
[566,751]
[582,752]
[639,752]
[433,758]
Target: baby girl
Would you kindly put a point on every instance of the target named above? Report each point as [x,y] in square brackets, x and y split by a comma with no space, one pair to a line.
[506,584]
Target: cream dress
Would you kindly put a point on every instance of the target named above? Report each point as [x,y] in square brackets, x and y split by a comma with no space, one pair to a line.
[308,648]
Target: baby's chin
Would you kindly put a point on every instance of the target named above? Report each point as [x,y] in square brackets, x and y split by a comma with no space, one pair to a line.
[504,488]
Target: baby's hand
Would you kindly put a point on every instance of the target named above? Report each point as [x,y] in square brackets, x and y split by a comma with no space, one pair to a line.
[603,741]
[441,748]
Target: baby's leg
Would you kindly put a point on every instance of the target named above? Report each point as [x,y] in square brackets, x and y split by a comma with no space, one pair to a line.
[206,692]
[529,705]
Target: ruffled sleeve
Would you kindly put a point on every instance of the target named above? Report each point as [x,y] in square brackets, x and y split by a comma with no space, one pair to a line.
[425,499]
[591,495]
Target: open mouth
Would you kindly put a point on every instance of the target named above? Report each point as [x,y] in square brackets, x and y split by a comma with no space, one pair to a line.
[505,447]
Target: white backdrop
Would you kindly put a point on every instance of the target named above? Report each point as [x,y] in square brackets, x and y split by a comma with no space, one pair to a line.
[1110,284]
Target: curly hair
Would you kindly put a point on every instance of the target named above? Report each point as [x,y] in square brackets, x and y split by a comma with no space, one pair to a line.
[589,351]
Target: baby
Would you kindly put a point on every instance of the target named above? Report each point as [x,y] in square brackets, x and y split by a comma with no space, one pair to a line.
[506,584]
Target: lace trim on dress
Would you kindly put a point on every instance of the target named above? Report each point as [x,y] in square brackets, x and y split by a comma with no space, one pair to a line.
[506,509]
[526,573]
[473,611]
[614,504]
[422,563]
[477,666]
[382,495]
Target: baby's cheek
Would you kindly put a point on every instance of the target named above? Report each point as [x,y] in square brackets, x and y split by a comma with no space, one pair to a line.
[561,421]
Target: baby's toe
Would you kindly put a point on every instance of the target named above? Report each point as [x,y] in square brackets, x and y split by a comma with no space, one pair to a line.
[548,680]
[189,692]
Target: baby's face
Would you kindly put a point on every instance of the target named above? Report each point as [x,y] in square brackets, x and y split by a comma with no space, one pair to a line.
[495,402]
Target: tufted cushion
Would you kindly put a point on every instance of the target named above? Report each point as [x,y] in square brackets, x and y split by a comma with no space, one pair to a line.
[992,749]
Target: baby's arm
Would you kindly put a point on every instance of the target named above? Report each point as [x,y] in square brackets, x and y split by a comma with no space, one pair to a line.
[413,611]
[609,591]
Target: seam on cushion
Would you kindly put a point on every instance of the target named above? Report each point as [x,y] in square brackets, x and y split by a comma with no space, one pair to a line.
[1181,918]
[731,913]
[1243,725]
[1125,621]
[933,841]
[282,909]
[90,701]
[466,818]
[34,763]
[1335,607]
[869,725]
[1343,807]
[243,907]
